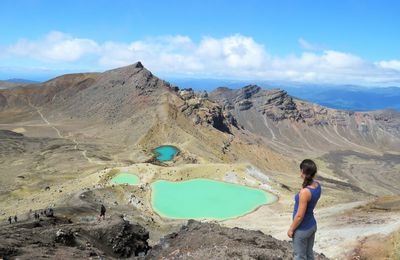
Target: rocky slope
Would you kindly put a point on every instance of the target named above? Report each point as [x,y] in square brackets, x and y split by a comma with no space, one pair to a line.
[211,241]
[116,238]
[5,84]
[292,122]
[112,96]
[59,238]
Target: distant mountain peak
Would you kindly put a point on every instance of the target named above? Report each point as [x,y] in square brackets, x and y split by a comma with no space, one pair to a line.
[128,68]
[252,86]
[138,65]
[25,81]
[223,89]
[250,90]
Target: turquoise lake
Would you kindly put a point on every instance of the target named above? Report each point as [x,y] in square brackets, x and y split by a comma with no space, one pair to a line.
[206,199]
[165,152]
[125,178]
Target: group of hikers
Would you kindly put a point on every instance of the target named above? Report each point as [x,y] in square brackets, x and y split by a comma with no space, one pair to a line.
[47,212]
[10,219]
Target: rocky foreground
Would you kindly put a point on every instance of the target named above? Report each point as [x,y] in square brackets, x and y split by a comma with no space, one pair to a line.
[59,238]
[115,238]
[199,240]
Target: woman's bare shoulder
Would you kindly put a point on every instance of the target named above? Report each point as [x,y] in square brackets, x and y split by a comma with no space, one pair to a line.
[305,191]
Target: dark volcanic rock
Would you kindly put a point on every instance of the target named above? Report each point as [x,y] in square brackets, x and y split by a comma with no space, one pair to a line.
[115,238]
[275,104]
[65,237]
[186,94]
[247,92]
[8,252]
[245,105]
[203,110]
[123,238]
[9,134]
[211,241]
[58,238]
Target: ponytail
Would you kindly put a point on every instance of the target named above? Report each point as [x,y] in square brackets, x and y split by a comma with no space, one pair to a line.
[309,169]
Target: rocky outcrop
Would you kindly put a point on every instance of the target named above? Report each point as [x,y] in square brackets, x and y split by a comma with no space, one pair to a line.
[65,237]
[59,238]
[275,104]
[278,105]
[199,240]
[123,238]
[9,134]
[245,105]
[389,120]
[204,111]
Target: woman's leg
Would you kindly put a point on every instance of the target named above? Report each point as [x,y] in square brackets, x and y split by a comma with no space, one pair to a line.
[310,244]
[300,241]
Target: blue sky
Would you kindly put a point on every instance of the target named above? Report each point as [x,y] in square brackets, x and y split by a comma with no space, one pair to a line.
[311,41]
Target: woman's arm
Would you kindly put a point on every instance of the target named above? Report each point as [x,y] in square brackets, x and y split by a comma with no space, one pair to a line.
[304,197]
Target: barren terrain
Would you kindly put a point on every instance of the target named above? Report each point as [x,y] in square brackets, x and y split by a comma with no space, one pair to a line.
[62,141]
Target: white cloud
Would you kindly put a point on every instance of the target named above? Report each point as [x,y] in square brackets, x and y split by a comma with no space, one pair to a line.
[54,47]
[391,64]
[235,56]
[181,55]
[341,60]
[236,51]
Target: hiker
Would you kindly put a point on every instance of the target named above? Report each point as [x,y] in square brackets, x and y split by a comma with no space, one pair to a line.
[9,219]
[303,228]
[15,219]
[102,211]
[49,212]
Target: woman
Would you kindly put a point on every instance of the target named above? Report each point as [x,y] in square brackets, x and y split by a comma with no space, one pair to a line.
[304,226]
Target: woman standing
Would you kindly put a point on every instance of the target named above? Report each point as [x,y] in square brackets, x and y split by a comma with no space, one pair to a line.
[304,225]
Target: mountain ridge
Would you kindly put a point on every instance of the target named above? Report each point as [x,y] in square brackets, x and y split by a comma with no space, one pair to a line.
[345,97]
[114,93]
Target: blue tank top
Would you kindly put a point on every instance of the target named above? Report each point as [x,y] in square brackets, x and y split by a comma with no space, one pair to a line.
[308,220]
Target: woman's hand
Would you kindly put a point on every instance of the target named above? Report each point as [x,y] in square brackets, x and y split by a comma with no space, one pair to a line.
[290,233]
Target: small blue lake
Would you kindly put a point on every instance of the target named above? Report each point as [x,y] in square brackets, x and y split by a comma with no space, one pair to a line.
[165,152]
